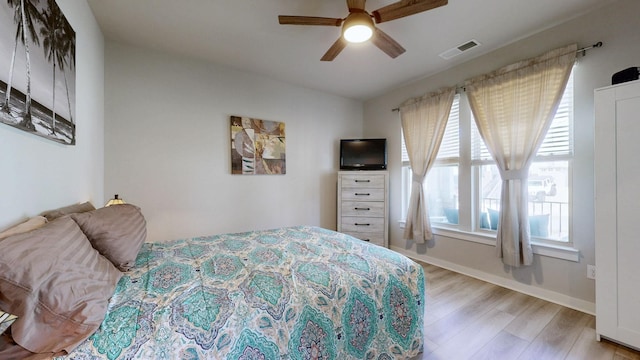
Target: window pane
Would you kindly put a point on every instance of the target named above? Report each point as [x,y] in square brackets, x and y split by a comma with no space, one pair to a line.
[441,190]
[406,189]
[548,199]
[490,189]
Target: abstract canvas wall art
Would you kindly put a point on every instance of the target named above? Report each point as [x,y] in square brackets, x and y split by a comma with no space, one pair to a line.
[257,146]
[37,69]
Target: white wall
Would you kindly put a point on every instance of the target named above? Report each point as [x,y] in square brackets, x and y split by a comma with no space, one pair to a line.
[617,26]
[38,174]
[167,141]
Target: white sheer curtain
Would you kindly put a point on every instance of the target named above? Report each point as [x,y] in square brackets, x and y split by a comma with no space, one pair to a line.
[513,108]
[424,120]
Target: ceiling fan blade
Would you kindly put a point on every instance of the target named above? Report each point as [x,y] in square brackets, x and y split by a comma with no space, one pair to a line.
[335,49]
[386,43]
[308,20]
[355,5]
[404,8]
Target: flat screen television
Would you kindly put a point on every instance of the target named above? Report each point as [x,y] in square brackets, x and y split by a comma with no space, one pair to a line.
[363,154]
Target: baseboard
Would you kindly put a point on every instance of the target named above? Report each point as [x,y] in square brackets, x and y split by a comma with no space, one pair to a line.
[548,295]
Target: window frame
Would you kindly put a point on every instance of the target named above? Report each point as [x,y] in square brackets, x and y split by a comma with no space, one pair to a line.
[469,194]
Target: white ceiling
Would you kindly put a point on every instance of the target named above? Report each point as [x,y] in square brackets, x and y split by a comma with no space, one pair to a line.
[245,35]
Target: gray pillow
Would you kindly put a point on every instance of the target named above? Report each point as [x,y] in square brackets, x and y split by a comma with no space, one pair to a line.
[57,285]
[71,209]
[116,231]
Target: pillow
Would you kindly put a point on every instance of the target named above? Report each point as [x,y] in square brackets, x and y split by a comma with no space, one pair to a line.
[31,224]
[57,285]
[116,231]
[484,221]
[539,225]
[452,215]
[71,209]
[494,218]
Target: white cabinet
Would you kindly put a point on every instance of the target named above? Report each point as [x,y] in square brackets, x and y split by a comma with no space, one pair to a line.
[363,198]
[617,212]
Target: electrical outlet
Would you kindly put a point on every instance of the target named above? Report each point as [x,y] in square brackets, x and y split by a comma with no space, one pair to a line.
[591,272]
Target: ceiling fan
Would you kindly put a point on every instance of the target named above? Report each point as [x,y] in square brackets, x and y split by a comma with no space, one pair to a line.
[359,26]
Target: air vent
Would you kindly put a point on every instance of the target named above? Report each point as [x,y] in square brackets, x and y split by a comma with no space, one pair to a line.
[459,49]
[467,46]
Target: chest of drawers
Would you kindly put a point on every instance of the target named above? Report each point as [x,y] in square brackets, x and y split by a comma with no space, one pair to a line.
[363,205]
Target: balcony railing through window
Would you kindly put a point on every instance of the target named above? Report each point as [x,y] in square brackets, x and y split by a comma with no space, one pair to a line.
[546,217]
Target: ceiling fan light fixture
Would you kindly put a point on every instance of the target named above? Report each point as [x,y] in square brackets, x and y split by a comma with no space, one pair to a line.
[358,27]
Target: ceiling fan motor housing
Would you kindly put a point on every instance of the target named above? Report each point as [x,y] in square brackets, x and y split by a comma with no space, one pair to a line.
[357,27]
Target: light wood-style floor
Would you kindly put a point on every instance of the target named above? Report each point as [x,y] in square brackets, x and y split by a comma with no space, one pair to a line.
[467,318]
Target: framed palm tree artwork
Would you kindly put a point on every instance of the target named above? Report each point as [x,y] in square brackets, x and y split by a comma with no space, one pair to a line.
[37,69]
[257,146]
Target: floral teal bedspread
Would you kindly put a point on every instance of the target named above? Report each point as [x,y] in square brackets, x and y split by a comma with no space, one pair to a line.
[289,293]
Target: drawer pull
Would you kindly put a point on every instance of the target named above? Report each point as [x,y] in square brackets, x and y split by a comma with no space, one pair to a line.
[359,224]
[366,240]
[366,209]
[363,194]
[365,181]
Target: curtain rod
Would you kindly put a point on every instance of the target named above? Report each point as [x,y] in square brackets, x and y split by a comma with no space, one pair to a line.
[583,51]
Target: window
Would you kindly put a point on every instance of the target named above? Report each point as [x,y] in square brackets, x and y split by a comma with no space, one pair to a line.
[442,182]
[463,187]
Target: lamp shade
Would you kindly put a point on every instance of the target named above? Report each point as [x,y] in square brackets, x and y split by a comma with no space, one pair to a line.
[358,27]
[115,201]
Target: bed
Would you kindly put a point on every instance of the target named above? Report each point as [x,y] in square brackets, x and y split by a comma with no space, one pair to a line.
[290,293]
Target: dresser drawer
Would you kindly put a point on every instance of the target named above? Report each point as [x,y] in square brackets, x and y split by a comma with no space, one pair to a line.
[363,194]
[363,208]
[373,238]
[362,181]
[362,224]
